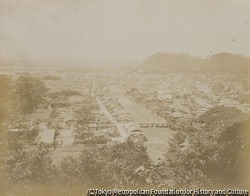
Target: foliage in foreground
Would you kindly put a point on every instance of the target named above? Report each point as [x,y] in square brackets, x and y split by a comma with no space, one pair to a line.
[107,166]
[202,163]
[214,155]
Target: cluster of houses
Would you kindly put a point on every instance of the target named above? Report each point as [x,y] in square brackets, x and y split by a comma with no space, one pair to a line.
[179,99]
[175,98]
[57,127]
[116,110]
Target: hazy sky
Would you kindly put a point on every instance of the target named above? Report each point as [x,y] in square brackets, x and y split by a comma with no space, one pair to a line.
[121,29]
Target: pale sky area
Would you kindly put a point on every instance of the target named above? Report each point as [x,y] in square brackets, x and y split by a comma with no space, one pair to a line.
[106,30]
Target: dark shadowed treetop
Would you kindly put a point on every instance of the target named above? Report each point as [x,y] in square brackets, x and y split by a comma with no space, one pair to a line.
[31,93]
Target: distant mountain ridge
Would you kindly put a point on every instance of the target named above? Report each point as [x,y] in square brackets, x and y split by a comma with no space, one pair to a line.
[184,63]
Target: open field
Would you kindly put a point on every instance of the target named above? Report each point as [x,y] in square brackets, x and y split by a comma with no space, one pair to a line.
[158,139]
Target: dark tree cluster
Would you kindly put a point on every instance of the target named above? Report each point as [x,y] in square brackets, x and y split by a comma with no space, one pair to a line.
[216,155]
[31,93]
[107,166]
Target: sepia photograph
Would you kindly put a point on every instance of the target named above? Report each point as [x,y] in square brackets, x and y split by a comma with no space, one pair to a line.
[124,97]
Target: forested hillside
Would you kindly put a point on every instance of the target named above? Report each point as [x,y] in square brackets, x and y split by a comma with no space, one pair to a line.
[184,63]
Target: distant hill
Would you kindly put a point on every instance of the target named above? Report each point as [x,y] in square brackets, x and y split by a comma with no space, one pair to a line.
[184,63]
[228,63]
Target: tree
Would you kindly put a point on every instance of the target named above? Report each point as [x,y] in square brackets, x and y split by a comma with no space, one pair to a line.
[233,155]
[201,157]
[70,172]
[84,115]
[185,161]
[33,166]
[60,98]
[107,166]
[31,93]
[6,90]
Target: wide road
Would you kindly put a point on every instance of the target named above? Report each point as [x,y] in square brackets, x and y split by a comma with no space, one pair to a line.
[138,113]
[123,132]
[158,138]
